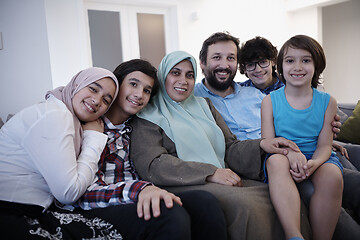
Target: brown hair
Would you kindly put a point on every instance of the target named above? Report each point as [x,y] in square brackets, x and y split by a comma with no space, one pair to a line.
[309,44]
[218,37]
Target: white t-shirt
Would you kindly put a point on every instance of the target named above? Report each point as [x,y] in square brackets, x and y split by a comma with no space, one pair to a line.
[37,156]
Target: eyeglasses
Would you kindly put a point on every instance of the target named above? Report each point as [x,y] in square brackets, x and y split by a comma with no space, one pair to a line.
[252,65]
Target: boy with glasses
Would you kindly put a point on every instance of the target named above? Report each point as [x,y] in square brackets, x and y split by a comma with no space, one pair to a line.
[257,61]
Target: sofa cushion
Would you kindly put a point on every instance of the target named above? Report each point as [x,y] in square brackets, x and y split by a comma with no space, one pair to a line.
[350,131]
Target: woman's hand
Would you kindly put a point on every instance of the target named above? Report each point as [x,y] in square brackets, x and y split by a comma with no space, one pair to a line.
[149,200]
[225,176]
[96,125]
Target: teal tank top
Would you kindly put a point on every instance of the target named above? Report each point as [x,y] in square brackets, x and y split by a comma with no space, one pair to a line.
[301,126]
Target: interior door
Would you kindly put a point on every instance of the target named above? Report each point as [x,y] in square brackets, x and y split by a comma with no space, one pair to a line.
[122,32]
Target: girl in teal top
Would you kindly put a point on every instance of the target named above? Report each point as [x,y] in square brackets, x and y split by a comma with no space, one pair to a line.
[302,114]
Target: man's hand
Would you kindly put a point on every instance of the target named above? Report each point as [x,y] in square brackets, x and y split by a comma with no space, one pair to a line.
[341,149]
[96,125]
[225,176]
[149,201]
[336,125]
[273,145]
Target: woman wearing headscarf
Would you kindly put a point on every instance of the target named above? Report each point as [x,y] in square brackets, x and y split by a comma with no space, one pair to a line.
[181,142]
[49,153]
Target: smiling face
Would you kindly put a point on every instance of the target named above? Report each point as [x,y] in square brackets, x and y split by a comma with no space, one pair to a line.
[134,95]
[180,81]
[93,101]
[298,67]
[262,77]
[221,65]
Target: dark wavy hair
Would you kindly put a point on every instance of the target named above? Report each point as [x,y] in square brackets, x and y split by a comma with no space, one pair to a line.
[137,65]
[218,37]
[256,49]
[309,44]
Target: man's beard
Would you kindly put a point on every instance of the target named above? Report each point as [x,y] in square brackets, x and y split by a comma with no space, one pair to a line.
[217,85]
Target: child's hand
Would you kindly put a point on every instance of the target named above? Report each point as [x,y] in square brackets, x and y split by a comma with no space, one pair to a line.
[297,160]
[96,125]
[298,177]
[149,201]
[310,167]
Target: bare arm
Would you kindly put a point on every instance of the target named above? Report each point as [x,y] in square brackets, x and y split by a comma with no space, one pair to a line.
[267,119]
[296,158]
[324,145]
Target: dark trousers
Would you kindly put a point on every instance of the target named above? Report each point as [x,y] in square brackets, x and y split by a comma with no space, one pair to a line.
[21,221]
[200,217]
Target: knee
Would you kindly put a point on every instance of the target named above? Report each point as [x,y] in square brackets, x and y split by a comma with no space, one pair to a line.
[331,181]
[175,222]
[203,205]
[205,202]
[336,180]
[276,162]
[203,199]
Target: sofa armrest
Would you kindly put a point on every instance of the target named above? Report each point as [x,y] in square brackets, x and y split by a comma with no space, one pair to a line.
[347,108]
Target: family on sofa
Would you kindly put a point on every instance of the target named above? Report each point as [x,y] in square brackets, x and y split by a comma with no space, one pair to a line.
[180,142]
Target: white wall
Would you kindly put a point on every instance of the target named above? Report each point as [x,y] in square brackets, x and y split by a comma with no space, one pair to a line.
[68,36]
[342,51]
[25,74]
[47,41]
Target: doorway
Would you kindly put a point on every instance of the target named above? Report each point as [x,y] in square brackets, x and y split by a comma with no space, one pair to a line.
[122,32]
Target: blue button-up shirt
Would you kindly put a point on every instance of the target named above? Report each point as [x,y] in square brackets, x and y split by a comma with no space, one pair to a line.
[240,110]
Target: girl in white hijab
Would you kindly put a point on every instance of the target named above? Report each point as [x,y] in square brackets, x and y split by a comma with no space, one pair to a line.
[50,151]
